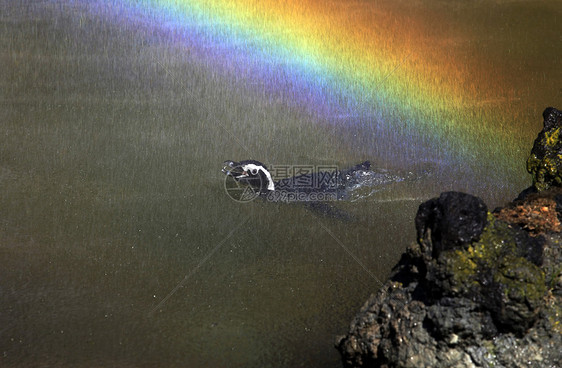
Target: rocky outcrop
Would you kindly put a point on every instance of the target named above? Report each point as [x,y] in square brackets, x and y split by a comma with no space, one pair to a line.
[545,161]
[479,288]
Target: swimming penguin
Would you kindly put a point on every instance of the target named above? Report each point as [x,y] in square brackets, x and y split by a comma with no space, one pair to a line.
[315,186]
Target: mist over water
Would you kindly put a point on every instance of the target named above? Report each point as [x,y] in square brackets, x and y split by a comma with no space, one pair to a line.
[118,243]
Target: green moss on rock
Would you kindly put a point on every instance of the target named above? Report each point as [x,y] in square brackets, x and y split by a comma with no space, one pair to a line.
[495,270]
[545,161]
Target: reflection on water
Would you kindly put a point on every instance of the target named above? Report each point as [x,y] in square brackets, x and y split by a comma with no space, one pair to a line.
[118,243]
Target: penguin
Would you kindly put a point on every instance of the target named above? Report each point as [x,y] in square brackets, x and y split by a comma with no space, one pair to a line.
[310,187]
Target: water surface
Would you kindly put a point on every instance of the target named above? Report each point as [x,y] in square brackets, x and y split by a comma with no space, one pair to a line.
[120,247]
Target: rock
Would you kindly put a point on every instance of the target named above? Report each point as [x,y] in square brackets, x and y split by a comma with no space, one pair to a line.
[537,215]
[477,290]
[499,272]
[545,161]
[454,219]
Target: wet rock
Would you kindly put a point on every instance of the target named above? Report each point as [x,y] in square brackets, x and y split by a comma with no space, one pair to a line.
[454,319]
[545,161]
[499,272]
[452,220]
[476,290]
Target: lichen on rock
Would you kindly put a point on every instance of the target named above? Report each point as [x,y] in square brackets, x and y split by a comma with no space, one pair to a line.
[500,272]
[545,161]
[478,288]
[537,214]
[487,296]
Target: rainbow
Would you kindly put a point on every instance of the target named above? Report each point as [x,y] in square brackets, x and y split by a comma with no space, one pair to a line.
[341,59]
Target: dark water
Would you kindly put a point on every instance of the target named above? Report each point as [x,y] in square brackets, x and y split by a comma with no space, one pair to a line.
[118,244]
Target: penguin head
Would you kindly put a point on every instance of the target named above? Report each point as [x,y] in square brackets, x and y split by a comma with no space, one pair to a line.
[250,172]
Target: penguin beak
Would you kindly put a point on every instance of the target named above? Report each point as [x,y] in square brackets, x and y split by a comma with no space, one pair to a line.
[243,175]
[233,169]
